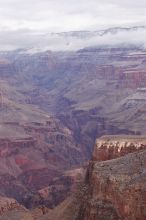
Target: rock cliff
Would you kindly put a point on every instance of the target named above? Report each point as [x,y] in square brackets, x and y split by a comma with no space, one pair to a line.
[30,162]
[115,181]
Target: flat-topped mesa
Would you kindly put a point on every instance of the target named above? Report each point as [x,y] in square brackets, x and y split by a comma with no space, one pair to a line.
[111,147]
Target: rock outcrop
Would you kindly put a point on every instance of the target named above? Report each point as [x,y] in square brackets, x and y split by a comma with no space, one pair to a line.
[108,148]
[115,182]
[11,209]
[8,204]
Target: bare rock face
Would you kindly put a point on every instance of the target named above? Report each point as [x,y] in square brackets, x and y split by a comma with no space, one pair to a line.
[115,183]
[11,209]
[111,147]
[17,215]
[7,204]
[32,155]
[56,192]
[67,210]
[66,187]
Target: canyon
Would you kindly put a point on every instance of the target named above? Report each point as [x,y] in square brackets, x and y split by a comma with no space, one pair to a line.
[53,106]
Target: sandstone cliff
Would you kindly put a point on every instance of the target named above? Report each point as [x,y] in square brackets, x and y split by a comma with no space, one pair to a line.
[115,181]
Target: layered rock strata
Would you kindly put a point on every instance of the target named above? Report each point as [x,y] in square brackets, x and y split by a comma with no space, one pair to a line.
[115,182]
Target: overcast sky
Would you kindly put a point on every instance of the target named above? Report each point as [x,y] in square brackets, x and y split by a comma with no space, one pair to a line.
[23,21]
[65,15]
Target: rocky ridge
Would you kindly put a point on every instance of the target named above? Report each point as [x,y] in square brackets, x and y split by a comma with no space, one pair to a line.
[115,186]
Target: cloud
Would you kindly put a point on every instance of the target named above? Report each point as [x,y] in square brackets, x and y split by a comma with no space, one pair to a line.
[69,14]
[20,19]
[34,41]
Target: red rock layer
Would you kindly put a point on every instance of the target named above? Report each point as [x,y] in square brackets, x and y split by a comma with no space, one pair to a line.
[115,188]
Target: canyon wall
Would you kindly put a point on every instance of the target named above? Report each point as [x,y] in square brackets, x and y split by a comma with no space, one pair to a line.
[53,105]
[115,183]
